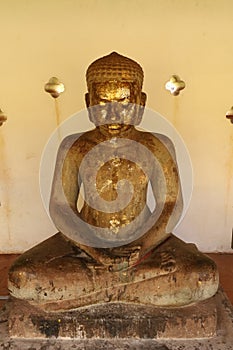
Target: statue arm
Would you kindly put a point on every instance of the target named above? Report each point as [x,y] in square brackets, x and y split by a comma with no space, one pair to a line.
[168,202]
[65,188]
[64,195]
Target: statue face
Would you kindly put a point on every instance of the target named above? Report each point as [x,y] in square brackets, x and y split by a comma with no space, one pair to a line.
[115,106]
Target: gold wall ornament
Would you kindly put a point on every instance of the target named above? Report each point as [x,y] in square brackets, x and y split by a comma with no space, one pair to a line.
[54,87]
[3,117]
[175,85]
[229,114]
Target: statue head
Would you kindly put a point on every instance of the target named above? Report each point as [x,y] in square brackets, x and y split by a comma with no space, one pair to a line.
[115,94]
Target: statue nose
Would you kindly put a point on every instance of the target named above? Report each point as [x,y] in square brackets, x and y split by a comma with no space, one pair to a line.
[113,111]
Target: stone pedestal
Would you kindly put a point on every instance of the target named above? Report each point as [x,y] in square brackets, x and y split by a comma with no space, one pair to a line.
[114,320]
[207,325]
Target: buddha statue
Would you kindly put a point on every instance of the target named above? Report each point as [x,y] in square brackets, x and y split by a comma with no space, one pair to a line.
[115,248]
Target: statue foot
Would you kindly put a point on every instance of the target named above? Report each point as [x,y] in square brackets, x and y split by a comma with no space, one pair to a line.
[168,262]
[163,262]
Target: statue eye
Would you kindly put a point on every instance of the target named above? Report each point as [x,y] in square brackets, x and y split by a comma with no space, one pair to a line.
[124,101]
[103,101]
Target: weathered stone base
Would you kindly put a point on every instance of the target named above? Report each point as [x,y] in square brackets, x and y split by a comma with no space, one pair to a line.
[103,330]
[114,320]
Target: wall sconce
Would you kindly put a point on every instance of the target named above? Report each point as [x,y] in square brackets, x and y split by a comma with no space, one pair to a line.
[229,114]
[54,87]
[3,117]
[175,85]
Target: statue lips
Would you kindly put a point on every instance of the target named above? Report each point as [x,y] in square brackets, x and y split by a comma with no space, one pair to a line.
[115,126]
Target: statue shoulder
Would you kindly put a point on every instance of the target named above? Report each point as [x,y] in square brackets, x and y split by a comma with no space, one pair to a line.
[165,140]
[68,141]
[155,139]
[77,141]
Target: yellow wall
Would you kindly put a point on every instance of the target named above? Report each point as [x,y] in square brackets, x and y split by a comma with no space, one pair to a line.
[40,39]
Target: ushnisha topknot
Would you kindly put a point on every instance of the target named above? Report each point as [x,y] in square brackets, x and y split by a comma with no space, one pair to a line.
[114,67]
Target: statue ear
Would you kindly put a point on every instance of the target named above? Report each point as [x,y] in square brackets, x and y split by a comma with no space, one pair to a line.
[143,99]
[87,99]
[140,109]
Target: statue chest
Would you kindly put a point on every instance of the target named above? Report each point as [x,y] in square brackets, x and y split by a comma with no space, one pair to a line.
[108,176]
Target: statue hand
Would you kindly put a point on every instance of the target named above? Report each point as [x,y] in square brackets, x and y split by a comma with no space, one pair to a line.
[125,257]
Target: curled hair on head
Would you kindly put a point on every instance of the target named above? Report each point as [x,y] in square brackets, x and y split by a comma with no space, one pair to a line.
[114,67]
